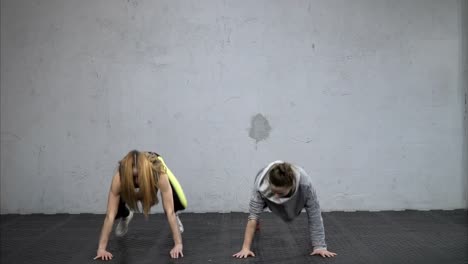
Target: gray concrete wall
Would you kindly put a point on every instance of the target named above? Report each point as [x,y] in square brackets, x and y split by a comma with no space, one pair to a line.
[464,80]
[366,96]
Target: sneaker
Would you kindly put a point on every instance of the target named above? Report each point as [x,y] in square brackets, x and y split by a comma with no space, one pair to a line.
[179,223]
[122,226]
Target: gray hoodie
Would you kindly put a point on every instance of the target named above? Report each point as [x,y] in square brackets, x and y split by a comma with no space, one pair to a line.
[288,208]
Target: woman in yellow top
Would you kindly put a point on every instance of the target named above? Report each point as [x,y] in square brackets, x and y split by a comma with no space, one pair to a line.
[139,177]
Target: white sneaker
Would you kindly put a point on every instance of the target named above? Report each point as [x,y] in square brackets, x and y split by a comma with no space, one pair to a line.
[122,226]
[179,223]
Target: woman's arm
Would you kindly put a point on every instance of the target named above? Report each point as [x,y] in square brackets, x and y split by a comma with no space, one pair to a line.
[316,228]
[112,206]
[256,206]
[168,205]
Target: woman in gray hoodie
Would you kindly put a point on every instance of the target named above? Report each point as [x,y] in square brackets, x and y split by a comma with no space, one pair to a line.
[285,189]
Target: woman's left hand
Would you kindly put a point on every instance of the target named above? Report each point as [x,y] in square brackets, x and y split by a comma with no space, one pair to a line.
[323,252]
[176,251]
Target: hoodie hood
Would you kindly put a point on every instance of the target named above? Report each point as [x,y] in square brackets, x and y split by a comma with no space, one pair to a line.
[263,184]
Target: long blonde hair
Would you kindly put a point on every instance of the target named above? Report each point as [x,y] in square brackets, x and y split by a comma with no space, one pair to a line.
[148,176]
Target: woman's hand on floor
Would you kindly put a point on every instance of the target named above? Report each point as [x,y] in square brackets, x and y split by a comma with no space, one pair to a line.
[103,254]
[176,251]
[244,253]
[323,252]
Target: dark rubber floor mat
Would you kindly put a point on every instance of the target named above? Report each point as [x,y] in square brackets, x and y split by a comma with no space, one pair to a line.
[425,237]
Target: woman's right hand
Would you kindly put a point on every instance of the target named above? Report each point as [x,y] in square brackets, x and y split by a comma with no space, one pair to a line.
[244,253]
[103,254]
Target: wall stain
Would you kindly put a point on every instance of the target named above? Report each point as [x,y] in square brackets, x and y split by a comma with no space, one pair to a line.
[260,128]
[231,98]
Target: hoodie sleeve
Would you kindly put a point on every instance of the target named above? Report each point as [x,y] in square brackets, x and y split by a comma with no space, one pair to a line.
[314,215]
[256,205]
